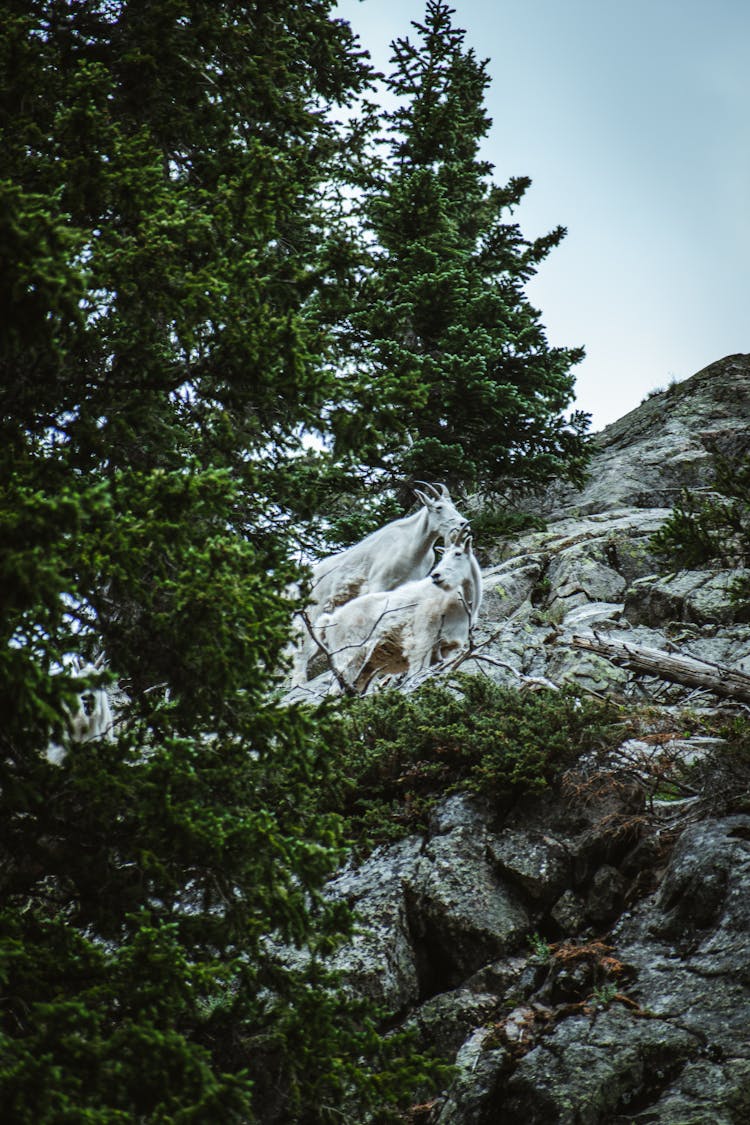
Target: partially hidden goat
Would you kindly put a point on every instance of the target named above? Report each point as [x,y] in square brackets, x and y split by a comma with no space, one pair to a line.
[92,717]
[406,629]
[401,551]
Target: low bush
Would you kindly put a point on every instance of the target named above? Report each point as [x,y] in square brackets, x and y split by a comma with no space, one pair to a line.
[399,754]
[713,527]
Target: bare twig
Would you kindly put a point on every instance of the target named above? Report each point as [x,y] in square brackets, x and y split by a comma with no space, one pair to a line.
[346,687]
[529,681]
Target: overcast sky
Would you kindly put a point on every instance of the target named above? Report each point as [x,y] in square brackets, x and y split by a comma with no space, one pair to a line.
[632,118]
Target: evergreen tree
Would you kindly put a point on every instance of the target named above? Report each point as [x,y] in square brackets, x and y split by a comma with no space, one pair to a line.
[167,247]
[444,326]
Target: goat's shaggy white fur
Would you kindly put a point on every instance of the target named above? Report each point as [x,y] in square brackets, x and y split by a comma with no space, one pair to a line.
[92,717]
[406,629]
[401,551]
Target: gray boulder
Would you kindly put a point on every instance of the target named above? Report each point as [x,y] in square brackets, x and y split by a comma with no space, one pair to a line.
[702,597]
[380,961]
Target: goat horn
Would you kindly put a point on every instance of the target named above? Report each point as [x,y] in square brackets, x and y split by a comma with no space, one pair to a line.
[431,487]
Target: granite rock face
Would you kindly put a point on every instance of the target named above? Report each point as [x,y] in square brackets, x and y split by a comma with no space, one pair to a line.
[643,1020]
[678,1052]
[699,597]
[593,569]
[648,456]
[635,1014]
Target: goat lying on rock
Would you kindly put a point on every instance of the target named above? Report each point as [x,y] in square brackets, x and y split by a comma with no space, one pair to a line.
[401,551]
[406,629]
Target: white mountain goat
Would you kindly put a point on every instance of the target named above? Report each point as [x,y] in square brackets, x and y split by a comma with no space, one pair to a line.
[406,629]
[401,551]
[92,718]
[472,586]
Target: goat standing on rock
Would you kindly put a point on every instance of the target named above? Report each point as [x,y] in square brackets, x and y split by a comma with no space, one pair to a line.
[402,551]
[406,629]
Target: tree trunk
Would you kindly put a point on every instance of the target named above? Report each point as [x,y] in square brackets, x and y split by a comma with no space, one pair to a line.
[688,670]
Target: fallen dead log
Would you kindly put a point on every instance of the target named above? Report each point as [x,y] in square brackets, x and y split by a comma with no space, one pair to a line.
[677,668]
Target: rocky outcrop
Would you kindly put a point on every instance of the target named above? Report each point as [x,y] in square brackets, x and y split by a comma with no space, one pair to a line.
[677,1050]
[698,597]
[592,568]
[647,457]
[586,961]
[636,1012]
[596,574]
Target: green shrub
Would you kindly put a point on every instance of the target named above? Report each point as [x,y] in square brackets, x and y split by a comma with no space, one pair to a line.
[492,523]
[723,776]
[399,754]
[713,528]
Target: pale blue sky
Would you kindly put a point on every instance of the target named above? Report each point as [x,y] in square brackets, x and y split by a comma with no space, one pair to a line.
[632,117]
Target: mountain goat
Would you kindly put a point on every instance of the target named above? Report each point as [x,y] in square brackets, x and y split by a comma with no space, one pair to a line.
[406,629]
[92,717]
[401,551]
[472,585]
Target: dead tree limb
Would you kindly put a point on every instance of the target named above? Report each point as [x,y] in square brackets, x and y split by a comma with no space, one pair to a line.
[729,683]
[346,687]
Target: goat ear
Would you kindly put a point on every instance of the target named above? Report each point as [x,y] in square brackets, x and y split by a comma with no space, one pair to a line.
[440,550]
[468,544]
[423,498]
[444,493]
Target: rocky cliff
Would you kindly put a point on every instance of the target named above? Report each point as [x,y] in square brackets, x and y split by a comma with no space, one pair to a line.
[592,569]
[583,956]
[645,458]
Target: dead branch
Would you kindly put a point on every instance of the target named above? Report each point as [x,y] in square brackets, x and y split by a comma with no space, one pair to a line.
[346,687]
[729,683]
